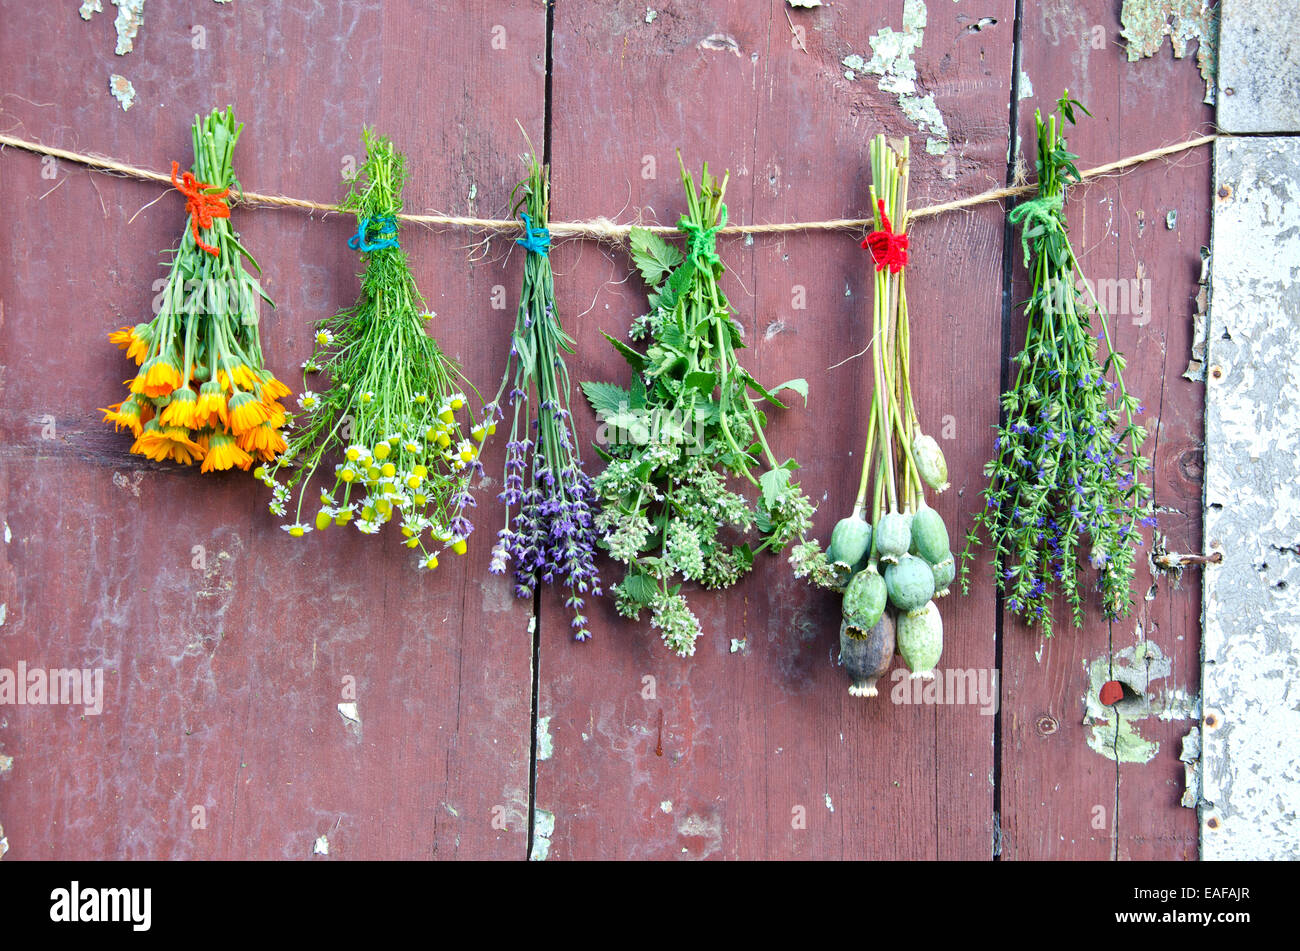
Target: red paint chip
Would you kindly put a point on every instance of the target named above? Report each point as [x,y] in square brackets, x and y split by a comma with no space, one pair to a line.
[1111,692]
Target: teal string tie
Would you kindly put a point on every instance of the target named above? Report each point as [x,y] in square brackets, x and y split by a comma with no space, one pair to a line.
[702,242]
[536,240]
[380,226]
[1037,216]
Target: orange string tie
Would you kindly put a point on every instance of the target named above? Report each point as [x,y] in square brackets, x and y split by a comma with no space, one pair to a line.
[203,208]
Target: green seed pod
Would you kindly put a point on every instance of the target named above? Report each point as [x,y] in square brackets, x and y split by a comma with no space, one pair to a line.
[910,583]
[929,535]
[944,571]
[867,656]
[931,465]
[920,639]
[893,536]
[864,599]
[850,540]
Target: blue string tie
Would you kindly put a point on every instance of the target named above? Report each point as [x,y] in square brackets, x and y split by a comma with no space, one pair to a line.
[536,240]
[380,226]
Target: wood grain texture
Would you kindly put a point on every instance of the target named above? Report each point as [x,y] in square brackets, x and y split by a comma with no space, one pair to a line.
[752,736]
[222,681]
[1056,790]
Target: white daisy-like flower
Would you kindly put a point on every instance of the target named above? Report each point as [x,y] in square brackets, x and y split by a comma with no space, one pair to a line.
[309,400]
[367,397]
[297,529]
[324,338]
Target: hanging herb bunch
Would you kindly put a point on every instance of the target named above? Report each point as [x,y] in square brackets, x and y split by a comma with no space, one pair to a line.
[394,410]
[202,393]
[889,557]
[552,537]
[688,422]
[1065,484]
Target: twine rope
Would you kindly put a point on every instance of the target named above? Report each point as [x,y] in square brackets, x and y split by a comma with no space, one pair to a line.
[602,229]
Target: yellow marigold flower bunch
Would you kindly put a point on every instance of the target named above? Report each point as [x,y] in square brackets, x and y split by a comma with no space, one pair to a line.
[202,395]
[395,415]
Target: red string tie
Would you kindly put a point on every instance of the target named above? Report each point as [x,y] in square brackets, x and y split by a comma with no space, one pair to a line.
[888,248]
[203,208]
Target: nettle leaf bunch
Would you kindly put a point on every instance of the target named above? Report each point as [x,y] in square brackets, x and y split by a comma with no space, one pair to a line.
[395,414]
[689,422]
[1066,484]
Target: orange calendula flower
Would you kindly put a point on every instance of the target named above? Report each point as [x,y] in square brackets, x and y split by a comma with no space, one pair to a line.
[211,407]
[160,443]
[264,439]
[134,340]
[224,453]
[182,409]
[246,412]
[273,389]
[243,376]
[128,414]
[157,377]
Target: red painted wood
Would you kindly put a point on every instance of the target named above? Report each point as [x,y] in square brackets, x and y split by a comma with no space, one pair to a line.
[222,682]
[1054,786]
[751,736]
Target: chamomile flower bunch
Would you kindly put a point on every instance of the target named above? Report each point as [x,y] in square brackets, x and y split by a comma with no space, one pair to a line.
[391,433]
[202,394]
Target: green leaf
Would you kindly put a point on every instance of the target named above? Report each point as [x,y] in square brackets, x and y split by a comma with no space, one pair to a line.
[678,283]
[635,359]
[653,256]
[606,398]
[762,390]
[640,588]
[701,380]
[775,484]
[799,385]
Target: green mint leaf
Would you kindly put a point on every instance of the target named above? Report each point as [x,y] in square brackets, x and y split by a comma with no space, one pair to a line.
[606,398]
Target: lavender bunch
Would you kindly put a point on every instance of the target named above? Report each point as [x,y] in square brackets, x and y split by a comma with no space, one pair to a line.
[552,536]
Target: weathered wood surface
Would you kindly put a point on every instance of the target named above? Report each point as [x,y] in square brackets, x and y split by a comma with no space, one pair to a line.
[1059,797]
[223,682]
[754,739]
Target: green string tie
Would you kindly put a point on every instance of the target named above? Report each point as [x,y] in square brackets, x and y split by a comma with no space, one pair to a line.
[1037,216]
[701,242]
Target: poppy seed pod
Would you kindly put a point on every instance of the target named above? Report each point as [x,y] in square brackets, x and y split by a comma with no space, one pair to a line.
[893,536]
[930,463]
[864,598]
[867,655]
[910,583]
[920,639]
[850,540]
[945,570]
[929,535]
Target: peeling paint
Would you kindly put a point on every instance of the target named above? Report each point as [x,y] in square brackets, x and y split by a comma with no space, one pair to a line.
[1171,219]
[1026,87]
[6,763]
[1191,760]
[651,15]
[1114,730]
[351,715]
[545,745]
[891,60]
[720,43]
[695,826]
[830,806]
[122,91]
[1196,365]
[1146,23]
[666,806]
[130,17]
[543,829]
[4,842]
[1251,640]
[322,846]
[90,8]
[736,645]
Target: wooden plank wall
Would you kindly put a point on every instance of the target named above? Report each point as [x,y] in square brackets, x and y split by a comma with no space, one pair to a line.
[223,680]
